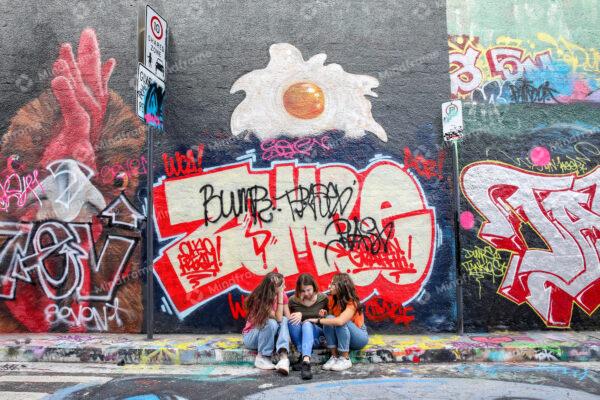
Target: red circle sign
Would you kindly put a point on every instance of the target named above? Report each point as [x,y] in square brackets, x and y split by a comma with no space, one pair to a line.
[156,27]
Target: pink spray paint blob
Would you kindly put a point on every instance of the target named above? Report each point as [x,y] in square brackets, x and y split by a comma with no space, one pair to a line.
[467,220]
[540,156]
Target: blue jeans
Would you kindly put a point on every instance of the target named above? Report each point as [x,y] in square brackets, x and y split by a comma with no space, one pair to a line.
[346,337]
[305,336]
[263,339]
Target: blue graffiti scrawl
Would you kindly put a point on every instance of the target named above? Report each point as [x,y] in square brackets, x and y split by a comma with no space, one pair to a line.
[153,105]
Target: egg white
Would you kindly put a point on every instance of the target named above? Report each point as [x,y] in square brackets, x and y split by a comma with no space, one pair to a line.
[262,111]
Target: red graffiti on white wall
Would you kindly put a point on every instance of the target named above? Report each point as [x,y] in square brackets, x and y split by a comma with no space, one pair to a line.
[235,221]
[564,210]
[465,76]
[510,63]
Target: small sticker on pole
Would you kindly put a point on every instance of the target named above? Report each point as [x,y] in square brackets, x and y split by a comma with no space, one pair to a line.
[452,120]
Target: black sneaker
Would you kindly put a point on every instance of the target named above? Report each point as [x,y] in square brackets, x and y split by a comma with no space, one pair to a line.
[297,366]
[306,372]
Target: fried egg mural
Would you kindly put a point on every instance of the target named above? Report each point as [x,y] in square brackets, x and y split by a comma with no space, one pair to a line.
[299,98]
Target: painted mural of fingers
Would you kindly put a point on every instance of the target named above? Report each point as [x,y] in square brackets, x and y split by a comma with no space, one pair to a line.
[83,94]
[61,68]
[66,55]
[88,59]
[107,70]
[76,119]
[65,95]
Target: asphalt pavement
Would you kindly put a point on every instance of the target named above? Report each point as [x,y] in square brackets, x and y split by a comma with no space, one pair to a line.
[456,381]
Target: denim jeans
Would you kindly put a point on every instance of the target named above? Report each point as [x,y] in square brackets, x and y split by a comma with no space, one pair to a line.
[346,337]
[306,336]
[263,339]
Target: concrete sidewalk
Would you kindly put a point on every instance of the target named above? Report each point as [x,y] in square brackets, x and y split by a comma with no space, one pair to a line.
[173,349]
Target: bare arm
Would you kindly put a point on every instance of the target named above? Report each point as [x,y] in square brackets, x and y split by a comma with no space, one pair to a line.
[279,312]
[340,320]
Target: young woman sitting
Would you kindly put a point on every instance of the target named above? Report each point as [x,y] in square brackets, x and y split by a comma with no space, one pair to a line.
[306,303]
[345,328]
[267,319]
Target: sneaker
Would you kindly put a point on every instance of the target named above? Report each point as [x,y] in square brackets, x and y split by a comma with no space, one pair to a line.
[341,364]
[330,363]
[297,365]
[306,373]
[283,366]
[262,362]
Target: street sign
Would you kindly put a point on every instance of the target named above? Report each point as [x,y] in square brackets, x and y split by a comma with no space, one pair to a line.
[156,43]
[452,120]
[149,97]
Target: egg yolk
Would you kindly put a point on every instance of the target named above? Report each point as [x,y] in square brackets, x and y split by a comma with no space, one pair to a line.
[304,100]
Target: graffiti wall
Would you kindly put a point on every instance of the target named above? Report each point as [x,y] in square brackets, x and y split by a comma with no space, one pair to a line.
[524,58]
[297,152]
[529,165]
[70,166]
[302,138]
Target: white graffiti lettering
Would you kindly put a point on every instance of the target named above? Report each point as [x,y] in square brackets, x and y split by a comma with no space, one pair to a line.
[564,210]
[88,317]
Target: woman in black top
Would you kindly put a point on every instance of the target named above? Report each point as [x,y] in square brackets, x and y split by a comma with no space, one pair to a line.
[307,302]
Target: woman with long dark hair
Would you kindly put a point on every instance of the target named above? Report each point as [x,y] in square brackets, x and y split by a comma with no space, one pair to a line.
[267,319]
[306,303]
[345,327]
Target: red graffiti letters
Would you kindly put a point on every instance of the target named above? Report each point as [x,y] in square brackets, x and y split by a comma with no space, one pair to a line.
[424,167]
[199,259]
[564,210]
[379,310]
[234,221]
[237,307]
[183,164]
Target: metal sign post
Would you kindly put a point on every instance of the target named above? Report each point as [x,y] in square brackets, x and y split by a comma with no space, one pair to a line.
[459,274]
[150,90]
[453,127]
[150,237]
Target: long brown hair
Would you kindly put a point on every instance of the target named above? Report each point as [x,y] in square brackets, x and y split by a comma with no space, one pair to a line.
[305,280]
[260,302]
[346,292]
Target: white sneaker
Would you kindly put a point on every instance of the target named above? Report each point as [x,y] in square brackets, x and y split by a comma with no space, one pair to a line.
[262,362]
[341,364]
[330,363]
[283,366]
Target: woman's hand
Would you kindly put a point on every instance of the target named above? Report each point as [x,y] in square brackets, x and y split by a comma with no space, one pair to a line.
[322,313]
[296,318]
[313,320]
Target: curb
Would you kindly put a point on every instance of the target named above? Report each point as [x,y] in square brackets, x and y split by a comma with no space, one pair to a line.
[227,349]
